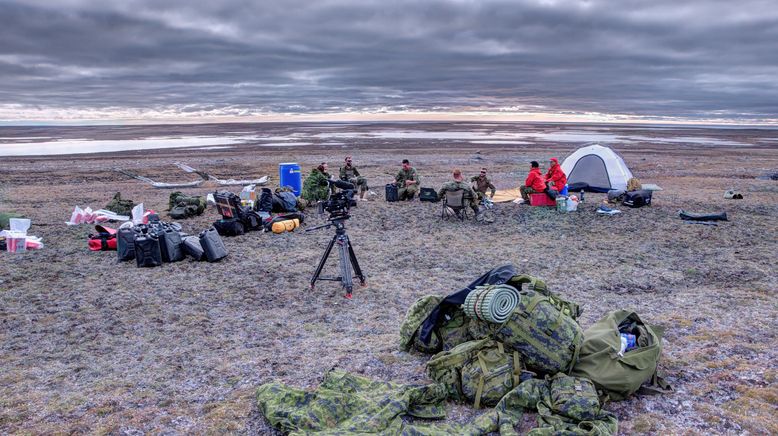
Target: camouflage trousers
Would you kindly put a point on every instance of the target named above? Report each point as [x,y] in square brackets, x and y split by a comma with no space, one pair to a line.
[360,183]
[526,191]
[408,192]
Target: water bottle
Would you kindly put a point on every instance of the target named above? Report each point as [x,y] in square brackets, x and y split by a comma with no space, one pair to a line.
[627,342]
[581,197]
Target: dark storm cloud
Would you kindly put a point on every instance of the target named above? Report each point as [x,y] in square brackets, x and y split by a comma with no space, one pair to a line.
[696,59]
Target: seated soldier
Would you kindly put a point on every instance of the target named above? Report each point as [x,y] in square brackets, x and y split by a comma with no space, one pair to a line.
[349,173]
[533,184]
[407,181]
[315,187]
[459,183]
[482,183]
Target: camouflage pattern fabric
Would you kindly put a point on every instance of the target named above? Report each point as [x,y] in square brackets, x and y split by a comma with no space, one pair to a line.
[483,184]
[451,333]
[470,198]
[403,175]
[315,187]
[349,173]
[417,313]
[547,338]
[121,207]
[445,367]
[532,283]
[490,375]
[349,404]
[183,206]
[566,406]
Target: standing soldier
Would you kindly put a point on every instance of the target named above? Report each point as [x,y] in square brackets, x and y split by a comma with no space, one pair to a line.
[349,173]
[482,183]
[407,181]
[459,183]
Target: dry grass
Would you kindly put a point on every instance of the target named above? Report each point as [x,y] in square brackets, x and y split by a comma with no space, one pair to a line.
[91,346]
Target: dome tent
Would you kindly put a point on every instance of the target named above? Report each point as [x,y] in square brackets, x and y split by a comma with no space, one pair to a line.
[596,168]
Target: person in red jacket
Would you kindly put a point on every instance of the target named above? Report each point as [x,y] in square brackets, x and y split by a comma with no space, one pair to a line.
[555,176]
[534,182]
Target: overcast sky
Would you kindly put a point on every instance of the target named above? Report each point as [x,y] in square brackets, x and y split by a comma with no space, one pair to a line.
[690,60]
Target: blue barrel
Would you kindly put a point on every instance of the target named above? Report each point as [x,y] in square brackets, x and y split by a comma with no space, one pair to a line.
[290,175]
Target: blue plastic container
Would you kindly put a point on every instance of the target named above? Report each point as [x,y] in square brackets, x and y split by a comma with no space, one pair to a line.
[563,191]
[290,175]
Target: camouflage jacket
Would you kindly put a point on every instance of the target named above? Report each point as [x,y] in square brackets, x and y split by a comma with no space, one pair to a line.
[482,184]
[348,404]
[348,172]
[455,185]
[315,187]
[403,175]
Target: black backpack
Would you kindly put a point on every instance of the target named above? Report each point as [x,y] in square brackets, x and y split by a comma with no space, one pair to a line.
[391,193]
[428,194]
[229,227]
[637,198]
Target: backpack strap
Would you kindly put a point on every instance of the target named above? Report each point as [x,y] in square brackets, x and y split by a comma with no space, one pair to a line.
[656,386]
[516,369]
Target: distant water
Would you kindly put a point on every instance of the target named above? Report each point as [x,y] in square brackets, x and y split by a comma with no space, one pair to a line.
[32,142]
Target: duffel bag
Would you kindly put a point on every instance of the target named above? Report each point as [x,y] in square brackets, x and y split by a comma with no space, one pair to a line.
[620,374]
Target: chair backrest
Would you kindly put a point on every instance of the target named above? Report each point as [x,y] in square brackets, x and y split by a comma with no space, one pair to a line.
[455,198]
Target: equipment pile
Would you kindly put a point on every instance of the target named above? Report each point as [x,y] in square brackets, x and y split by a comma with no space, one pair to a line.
[504,341]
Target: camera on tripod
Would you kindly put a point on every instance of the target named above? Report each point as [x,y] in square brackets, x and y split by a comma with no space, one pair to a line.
[339,203]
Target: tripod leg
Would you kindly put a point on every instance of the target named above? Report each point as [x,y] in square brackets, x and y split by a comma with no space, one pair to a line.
[345,266]
[323,261]
[355,264]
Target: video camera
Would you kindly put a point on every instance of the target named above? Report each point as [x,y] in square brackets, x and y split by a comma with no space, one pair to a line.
[339,203]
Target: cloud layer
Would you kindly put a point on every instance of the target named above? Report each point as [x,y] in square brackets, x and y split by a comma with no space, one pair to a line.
[702,59]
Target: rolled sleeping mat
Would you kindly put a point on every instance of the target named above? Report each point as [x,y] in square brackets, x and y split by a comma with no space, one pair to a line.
[492,303]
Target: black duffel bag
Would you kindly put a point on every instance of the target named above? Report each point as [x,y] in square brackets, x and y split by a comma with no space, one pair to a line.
[637,198]
[428,194]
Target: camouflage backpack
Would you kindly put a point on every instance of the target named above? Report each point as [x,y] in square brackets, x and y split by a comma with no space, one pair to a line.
[542,329]
[452,332]
[617,374]
[567,405]
[182,206]
[121,207]
[478,371]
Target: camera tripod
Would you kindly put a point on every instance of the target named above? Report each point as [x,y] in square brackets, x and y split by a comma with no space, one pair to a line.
[346,257]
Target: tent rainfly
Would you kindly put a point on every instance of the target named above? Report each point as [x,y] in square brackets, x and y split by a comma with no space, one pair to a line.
[596,168]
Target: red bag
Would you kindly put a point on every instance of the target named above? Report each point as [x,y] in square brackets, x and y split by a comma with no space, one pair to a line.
[104,240]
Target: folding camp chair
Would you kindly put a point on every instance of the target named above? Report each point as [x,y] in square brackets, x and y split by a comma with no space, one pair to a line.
[454,205]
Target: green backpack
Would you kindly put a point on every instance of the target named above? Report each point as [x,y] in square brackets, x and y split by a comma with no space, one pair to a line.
[478,371]
[182,206]
[452,332]
[121,207]
[620,375]
[542,328]
[566,405]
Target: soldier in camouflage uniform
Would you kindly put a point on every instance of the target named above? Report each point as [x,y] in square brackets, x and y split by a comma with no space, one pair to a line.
[459,183]
[315,187]
[349,173]
[407,181]
[482,184]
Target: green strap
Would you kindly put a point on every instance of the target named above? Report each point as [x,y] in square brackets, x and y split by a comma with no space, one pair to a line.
[575,352]
[516,369]
[480,389]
